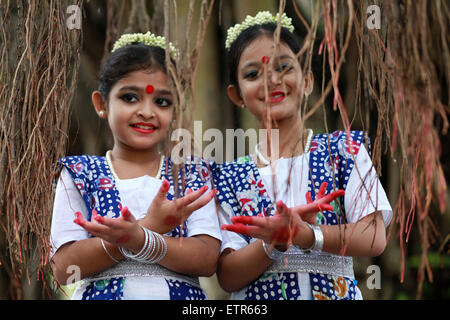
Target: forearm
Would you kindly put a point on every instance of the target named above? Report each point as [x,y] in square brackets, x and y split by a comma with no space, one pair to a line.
[196,255]
[238,268]
[366,237]
[87,255]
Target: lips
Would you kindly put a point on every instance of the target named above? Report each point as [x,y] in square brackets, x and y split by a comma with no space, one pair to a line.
[142,127]
[277,96]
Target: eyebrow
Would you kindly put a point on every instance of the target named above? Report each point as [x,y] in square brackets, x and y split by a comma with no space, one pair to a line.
[257,63]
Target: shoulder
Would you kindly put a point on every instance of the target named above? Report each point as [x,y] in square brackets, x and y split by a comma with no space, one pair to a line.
[340,135]
[238,166]
[339,141]
[82,164]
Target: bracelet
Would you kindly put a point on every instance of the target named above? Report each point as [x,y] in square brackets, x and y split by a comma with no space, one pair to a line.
[107,252]
[153,250]
[318,239]
[273,253]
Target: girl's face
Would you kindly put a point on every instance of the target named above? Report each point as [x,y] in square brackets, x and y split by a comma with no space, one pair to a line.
[140,110]
[284,94]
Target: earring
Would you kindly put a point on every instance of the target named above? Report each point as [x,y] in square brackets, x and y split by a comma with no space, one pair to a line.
[101,113]
[243,106]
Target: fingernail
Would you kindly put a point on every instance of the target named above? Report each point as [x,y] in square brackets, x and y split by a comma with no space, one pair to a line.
[205,188]
[125,212]
[99,219]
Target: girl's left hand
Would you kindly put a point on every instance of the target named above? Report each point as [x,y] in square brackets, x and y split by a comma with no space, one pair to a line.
[278,229]
[123,231]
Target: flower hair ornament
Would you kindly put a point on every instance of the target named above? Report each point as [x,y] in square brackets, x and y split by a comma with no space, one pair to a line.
[148,39]
[261,17]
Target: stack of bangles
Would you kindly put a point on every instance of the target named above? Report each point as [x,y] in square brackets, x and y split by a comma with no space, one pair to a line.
[153,251]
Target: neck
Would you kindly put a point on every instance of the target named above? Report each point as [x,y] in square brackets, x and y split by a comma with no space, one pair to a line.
[128,164]
[291,138]
[137,156]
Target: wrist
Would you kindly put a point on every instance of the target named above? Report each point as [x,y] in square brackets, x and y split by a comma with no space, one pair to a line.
[272,252]
[114,251]
[304,238]
[312,241]
[138,242]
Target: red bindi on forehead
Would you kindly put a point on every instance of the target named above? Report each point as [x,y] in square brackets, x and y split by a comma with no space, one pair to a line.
[265,59]
[149,89]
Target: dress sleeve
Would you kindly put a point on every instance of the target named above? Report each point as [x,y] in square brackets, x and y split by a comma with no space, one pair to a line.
[364,193]
[229,239]
[68,200]
[205,220]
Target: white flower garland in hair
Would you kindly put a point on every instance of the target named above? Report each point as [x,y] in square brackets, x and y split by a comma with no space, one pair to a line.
[148,39]
[261,17]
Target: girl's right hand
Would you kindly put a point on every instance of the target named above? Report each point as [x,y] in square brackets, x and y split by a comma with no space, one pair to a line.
[123,231]
[310,211]
[164,215]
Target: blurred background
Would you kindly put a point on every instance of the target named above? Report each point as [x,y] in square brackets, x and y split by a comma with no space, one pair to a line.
[368,93]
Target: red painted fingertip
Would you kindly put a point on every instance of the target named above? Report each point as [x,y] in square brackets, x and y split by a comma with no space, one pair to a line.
[80,219]
[166,185]
[308,197]
[125,213]
[242,219]
[99,219]
[323,188]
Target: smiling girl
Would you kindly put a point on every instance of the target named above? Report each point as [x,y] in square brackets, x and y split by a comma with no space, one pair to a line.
[124,242]
[275,243]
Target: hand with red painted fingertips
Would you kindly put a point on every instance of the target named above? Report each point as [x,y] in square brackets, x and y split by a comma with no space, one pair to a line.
[310,211]
[277,230]
[164,215]
[123,231]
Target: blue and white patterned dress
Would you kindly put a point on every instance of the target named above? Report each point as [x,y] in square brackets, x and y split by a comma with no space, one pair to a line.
[86,183]
[244,189]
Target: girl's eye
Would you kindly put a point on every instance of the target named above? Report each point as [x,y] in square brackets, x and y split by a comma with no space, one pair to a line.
[283,67]
[163,102]
[251,74]
[129,97]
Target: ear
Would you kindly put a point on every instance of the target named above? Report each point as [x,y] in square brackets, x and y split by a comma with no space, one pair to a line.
[309,83]
[234,95]
[99,104]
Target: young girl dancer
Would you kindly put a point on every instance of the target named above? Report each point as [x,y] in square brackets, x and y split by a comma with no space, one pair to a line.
[124,242]
[266,207]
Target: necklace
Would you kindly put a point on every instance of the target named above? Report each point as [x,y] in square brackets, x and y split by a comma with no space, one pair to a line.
[113,172]
[307,147]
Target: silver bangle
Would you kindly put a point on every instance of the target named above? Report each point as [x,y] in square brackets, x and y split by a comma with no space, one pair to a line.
[163,251]
[107,252]
[273,253]
[153,250]
[318,239]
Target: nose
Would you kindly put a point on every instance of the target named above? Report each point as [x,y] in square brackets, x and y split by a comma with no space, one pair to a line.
[274,78]
[147,109]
